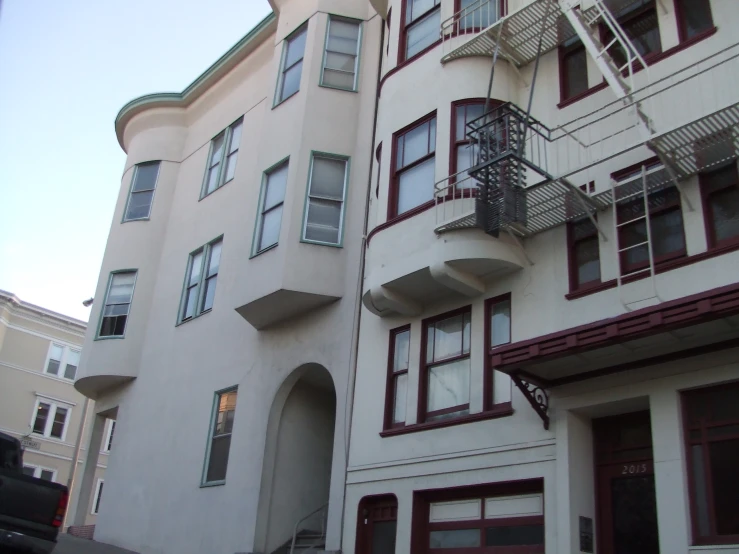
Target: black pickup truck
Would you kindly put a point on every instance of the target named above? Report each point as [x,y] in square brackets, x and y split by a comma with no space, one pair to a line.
[31,510]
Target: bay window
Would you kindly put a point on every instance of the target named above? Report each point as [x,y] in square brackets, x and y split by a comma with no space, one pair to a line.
[421,26]
[413,172]
[465,152]
[117,305]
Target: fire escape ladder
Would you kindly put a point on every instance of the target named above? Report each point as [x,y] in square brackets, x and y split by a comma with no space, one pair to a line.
[619,78]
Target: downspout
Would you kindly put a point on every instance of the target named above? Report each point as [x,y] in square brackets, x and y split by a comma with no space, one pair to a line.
[353,361]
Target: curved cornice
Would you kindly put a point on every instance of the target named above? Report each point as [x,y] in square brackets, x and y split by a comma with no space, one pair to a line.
[223,65]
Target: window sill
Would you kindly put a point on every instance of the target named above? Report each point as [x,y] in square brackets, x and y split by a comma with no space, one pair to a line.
[661,268]
[219,187]
[136,219]
[499,410]
[194,317]
[260,252]
[318,243]
[730,543]
[111,337]
[407,62]
[212,484]
[339,88]
[285,99]
[650,62]
[402,217]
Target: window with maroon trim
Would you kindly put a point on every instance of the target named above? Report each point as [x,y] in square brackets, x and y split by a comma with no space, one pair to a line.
[500,524]
[711,420]
[497,333]
[720,191]
[414,155]
[640,23]
[666,224]
[693,18]
[584,254]
[445,366]
[463,150]
[397,377]
[573,68]
[420,27]
[479,14]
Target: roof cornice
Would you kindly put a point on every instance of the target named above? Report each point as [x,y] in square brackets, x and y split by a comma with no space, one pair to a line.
[183,99]
[42,315]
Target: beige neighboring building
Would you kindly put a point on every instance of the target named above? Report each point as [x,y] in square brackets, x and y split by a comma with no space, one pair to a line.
[39,355]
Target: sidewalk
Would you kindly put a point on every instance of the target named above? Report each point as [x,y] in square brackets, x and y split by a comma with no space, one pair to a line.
[67,544]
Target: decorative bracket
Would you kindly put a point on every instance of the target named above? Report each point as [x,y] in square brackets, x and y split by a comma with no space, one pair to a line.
[537,397]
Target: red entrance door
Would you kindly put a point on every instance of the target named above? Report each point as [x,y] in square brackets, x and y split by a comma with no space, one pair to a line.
[625,495]
[376,525]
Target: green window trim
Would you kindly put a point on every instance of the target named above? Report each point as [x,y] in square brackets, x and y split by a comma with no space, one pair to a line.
[308,196]
[101,314]
[207,279]
[125,217]
[261,211]
[204,482]
[300,32]
[357,54]
[227,152]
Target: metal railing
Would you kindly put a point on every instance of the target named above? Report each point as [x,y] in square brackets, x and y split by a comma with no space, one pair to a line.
[454,198]
[322,514]
[473,18]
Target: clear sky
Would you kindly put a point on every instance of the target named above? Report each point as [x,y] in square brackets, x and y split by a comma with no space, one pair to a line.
[66,68]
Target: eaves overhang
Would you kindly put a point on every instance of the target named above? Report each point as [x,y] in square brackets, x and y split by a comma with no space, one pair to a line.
[195,90]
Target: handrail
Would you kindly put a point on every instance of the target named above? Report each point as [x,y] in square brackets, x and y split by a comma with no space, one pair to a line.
[305,518]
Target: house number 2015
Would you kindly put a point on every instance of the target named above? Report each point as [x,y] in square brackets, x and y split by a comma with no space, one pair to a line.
[634,468]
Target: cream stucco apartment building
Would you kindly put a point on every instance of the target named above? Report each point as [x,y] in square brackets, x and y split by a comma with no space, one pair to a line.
[362,287]
[39,359]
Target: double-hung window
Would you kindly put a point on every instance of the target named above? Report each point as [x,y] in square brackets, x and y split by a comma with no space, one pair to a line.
[640,22]
[711,420]
[109,436]
[666,225]
[720,191]
[476,15]
[413,174]
[269,220]
[464,148]
[445,367]
[693,18]
[584,254]
[62,357]
[224,151]
[291,66]
[50,418]
[341,56]
[498,332]
[141,195]
[324,213]
[200,280]
[397,385]
[219,440]
[117,304]
[420,27]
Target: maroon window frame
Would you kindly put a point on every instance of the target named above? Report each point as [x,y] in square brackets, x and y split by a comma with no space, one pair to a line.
[407,22]
[582,237]
[710,427]
[458,136]
[374,510]
[684,9]
[490,344]
[719,187]
[662,204]
[475,17]
[397,371]
[426,364]
[569,87]
[422,527]
[396,172]
[634,20]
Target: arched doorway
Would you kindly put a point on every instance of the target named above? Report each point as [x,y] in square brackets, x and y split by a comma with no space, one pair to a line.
[296,474]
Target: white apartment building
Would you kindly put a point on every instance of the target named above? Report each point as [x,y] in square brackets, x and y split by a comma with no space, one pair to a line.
[362,293]
[39,359]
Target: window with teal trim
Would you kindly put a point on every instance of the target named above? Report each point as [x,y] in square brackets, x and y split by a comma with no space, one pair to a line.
[341,57]
[200,281]
[117,304]
[324,214]
[270,213]
[224,152]
[292,65]
[141,195]
[219,441]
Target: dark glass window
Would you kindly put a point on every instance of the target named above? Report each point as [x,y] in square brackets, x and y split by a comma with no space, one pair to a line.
[640,23]
[574,69]
[514,535]
[220,442]
[584,254]
[721,205]
[694,17]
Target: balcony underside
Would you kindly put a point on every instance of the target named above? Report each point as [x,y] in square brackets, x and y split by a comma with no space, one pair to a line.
[282,305]
[95,386]
[459,267]
[675,330]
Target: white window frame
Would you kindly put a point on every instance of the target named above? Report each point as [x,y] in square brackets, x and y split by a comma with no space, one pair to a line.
[309,196]
[53,405]
[111,276]
[302,30]
[37,469]
[257,237]
[356,22]
[227,140]
[66,349]
[95,508]
[206,250]
[109,433]
[131,192]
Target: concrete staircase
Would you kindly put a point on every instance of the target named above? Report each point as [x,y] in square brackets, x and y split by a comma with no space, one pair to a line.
[306,542]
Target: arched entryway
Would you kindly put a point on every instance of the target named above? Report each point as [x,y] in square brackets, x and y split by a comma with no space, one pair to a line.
[296,474]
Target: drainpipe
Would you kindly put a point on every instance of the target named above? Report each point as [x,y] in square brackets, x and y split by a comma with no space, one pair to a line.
[75,458]
[353,362]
